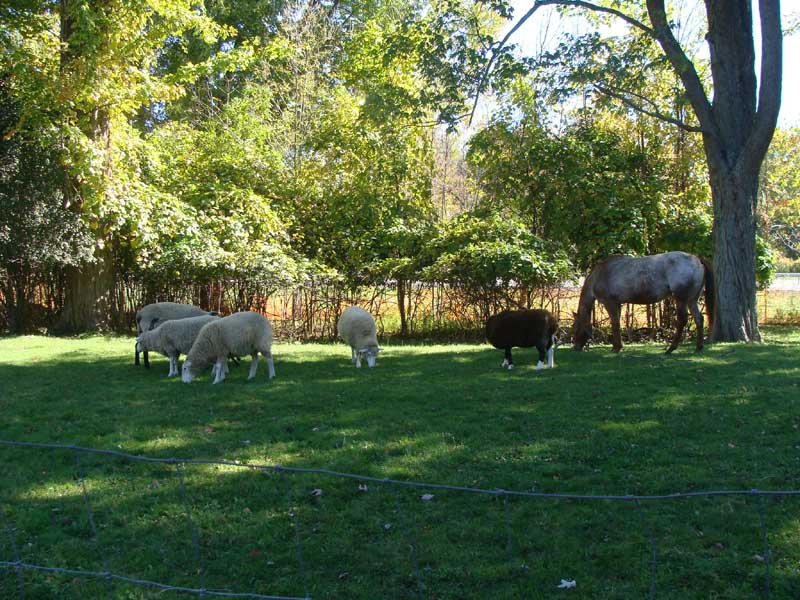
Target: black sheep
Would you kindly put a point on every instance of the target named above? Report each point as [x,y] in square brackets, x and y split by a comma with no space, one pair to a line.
[523,329]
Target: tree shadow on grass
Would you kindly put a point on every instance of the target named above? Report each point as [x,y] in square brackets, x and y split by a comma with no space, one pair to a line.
[598,423]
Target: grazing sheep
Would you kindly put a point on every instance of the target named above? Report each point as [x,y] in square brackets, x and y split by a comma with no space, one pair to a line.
[357,328]
[523,329]
[237,334]
[151,316]
[173,338]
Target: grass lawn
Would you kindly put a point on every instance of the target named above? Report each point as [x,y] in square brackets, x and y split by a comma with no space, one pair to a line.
[634,423]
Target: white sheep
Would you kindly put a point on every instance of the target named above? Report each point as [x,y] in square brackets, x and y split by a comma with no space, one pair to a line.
[357,328]
[238,334]
[151,316]
[173,338]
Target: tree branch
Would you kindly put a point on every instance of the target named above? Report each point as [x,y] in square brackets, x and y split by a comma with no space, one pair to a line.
[769,93]
[536,6]
[683,66]
[603,9]
[494,55]
[651,113]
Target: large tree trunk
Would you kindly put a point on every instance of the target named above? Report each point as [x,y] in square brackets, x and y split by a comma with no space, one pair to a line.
[88,296]
[736,317]
[401,305]
[737,128]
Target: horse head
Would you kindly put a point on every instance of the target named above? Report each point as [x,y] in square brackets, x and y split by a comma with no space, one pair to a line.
[582,331]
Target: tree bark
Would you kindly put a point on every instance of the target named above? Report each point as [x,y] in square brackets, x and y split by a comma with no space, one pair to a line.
[87,299]
[401,305]
[88,287]
[737,129]
[734,233]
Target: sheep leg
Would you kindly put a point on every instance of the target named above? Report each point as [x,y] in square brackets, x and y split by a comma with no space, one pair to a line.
[358,359]
[551,352]
[540,364]
[270,365]
[353,355]
[220,369]
[253,366]
[173,365]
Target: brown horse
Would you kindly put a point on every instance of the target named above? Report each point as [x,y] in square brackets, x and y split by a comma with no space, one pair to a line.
[645,280]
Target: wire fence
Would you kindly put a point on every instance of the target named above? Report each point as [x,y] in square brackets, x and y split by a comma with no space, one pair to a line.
[19,566]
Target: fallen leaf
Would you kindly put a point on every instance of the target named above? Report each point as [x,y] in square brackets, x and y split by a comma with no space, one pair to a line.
[426,497]
[758,557]
[316,492]
[255,553]
[209,430]
[344,575]
[567,583]
[362,487]
[247,511]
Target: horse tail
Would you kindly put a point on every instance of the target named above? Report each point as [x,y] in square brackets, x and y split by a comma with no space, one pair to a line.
[710,292]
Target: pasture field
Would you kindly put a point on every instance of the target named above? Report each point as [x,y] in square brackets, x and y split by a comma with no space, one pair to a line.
[635,423]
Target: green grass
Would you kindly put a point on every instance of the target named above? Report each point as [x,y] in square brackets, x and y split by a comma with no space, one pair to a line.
[634,423]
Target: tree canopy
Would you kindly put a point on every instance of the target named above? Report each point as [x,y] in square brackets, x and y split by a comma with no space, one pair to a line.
[174,143]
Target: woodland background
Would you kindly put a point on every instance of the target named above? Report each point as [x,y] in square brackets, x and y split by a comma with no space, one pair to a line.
[295,157]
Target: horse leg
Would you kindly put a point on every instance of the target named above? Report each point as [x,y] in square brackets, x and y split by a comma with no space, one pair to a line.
[683,316]
[698,321]
[614,311]
[508,362]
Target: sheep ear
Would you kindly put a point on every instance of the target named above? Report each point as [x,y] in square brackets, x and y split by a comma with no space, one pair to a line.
[153,323]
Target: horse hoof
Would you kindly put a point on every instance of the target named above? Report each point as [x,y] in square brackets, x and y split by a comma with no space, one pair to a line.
[510,367]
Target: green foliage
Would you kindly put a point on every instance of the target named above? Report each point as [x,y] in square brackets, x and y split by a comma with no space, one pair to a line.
[779,210]
[490,251]
[590,189]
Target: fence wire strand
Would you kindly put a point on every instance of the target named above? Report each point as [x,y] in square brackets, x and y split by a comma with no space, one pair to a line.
[296,523]
[410,541]
[142,582]
[648,529]
[762,516]
[12,540]
[92,526]
[18,565]
[201,571]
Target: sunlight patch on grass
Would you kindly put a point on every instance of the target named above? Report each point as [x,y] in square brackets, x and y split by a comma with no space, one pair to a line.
[628,427]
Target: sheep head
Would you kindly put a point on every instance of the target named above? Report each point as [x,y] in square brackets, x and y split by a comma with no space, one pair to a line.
[370,353]
[186,371]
